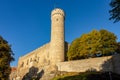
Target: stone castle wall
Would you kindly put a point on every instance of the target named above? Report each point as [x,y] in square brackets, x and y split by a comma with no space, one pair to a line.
[110,63]
[37,58]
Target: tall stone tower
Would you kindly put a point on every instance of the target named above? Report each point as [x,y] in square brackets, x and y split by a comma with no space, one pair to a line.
[57,44]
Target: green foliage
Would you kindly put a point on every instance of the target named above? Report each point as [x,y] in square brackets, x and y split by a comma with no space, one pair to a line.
[96,43]
[108,42]
[74,50]
[115,11]
[6,56]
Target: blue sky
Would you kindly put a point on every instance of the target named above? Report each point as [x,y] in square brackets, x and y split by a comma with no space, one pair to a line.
[26,24]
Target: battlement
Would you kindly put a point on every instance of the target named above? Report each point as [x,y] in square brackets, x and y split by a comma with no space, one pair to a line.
[57,11]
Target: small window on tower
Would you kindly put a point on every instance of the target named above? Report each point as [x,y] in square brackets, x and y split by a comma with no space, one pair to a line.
[57,19]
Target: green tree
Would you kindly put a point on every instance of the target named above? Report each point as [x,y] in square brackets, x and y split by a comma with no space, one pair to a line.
[73,50]
[89,44]
[115,11]
[6,56]
[108,42]
[96,43]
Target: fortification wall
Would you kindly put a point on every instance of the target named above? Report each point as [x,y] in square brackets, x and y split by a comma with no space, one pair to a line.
[110,63]
[36,51]
[37,58]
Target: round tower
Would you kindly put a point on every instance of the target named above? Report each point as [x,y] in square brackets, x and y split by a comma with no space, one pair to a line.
[57,36]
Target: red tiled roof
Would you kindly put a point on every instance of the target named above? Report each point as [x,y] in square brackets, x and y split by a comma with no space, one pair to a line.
[13,69]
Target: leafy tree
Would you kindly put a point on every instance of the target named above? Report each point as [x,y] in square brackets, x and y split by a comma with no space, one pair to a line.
[96,43]
[89,44]
[115,11]
[6,56]
[108,42]
[73,50]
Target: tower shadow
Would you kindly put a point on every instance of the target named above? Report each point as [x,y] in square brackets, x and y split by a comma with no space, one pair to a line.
[66,50]
[33,74]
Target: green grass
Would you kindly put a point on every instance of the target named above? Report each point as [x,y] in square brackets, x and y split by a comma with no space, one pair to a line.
[88,76]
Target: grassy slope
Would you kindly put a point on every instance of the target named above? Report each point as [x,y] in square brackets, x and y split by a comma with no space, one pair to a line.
[89,76]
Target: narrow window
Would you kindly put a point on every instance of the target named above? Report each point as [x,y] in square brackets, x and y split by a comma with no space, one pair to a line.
[31,60]
[27,61]
[57,19]
[22,64]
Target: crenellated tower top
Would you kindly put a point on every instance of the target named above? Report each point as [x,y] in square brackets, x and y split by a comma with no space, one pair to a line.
[57,11]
